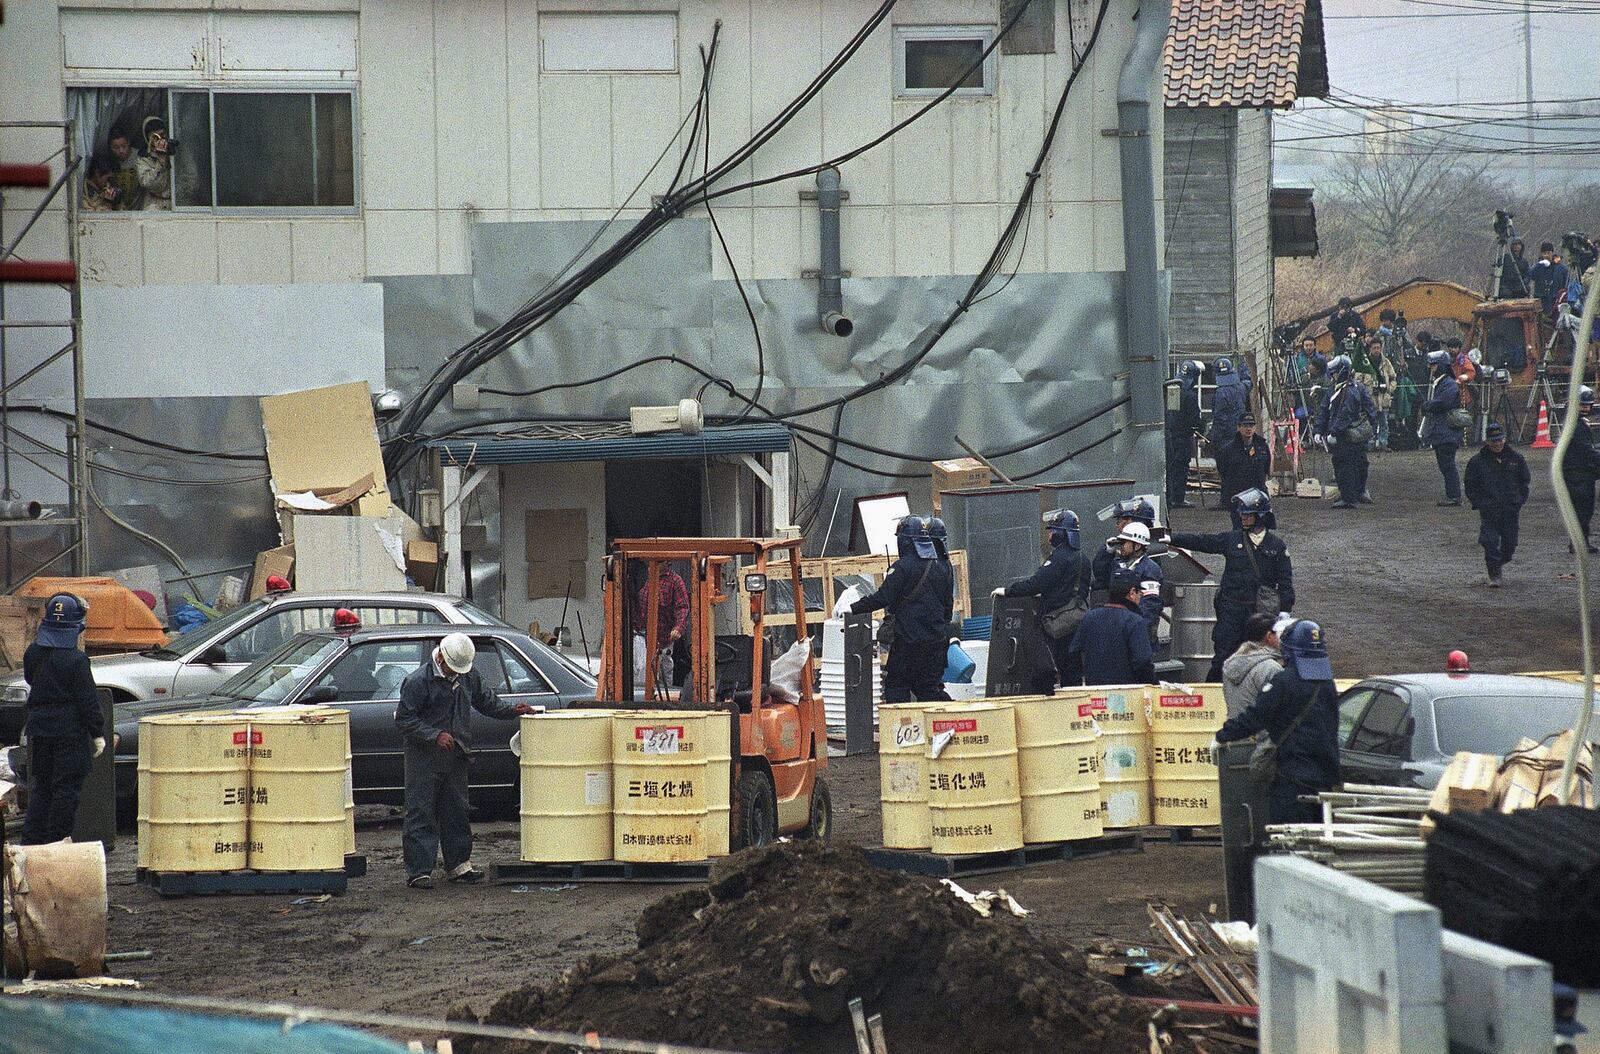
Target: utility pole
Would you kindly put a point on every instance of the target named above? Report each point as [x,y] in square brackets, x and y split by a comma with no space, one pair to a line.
[1527,88]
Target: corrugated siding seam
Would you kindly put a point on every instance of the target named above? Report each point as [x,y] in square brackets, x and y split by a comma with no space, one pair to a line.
[759,439]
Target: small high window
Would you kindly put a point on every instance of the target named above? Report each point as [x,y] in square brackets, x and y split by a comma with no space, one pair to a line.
[930,59]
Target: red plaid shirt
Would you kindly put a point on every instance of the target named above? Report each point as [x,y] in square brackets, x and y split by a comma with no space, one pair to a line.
[673,608]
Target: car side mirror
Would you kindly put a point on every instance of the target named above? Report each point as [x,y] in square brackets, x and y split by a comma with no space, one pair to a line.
[323,693]
[212,656]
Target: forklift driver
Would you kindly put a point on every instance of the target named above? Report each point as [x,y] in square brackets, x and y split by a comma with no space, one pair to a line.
[919,597]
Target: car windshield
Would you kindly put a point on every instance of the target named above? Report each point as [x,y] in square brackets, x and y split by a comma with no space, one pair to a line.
[275,677]
[1494,724]
[196,639]
[477,616]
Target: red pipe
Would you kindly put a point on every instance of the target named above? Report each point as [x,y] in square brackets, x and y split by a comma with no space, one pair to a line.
[47,271]
[24,175]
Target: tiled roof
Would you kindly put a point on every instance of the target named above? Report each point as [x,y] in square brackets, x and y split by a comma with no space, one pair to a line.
[1244,53]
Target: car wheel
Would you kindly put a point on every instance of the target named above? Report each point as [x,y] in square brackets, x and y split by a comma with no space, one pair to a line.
[758,810]
[820,826]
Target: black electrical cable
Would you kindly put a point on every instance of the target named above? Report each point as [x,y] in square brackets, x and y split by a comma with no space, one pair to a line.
[538,311]
[50,411]
[755,327]
[1036,473]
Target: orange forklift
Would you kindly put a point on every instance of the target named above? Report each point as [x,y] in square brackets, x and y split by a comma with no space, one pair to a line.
[779,748]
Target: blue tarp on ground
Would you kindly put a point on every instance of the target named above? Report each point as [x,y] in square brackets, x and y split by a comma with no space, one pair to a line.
[48,1026]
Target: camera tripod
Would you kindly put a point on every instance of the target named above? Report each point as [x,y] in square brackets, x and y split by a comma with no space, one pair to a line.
[1541,389]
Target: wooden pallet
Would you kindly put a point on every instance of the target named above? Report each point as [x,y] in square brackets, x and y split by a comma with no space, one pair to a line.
[186,883]
[192,883]
[601,871]
[1230,976]
[919,863]
[826,571]
[1184,835]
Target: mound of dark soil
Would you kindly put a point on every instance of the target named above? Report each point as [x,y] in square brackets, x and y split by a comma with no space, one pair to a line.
[768,957]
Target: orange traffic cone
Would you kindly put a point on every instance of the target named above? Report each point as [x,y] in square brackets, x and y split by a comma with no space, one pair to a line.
[1541,436]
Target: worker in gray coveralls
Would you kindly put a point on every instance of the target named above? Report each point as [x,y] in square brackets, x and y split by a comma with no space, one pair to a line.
[435,718]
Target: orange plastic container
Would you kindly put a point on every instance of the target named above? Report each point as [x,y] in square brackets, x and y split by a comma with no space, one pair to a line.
[117,617]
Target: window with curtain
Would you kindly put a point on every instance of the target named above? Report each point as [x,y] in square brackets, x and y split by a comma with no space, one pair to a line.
[205,149]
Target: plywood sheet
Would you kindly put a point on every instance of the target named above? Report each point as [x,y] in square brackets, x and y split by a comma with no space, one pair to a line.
[557,550]
[325,438]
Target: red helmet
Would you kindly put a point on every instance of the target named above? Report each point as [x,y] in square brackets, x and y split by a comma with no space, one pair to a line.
[278,584]
[1457,662]
[346,619]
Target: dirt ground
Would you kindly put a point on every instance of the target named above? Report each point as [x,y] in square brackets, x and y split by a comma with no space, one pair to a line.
[1390,582]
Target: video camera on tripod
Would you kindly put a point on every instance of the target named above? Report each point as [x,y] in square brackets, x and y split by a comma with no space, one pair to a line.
[1505,232]
[1580,251]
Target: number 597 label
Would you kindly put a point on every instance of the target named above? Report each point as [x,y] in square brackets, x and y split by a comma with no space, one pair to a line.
[660,740]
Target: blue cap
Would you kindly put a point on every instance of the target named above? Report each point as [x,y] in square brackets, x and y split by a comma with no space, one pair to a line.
[64,619]
[1303,645]
[1122,580]
[923,538]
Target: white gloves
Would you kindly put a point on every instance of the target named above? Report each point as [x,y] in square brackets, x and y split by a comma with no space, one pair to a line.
[999,592]
[1333,441]
[99,745]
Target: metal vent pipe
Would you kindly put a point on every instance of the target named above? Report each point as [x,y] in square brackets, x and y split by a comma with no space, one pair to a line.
[830,291]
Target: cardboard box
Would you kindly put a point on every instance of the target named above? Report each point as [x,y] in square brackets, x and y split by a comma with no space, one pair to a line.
[422,563]
[323,440]
[279,561]
[958,473]
[348,552]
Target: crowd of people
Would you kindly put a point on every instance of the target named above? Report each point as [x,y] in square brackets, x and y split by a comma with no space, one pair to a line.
[122,178]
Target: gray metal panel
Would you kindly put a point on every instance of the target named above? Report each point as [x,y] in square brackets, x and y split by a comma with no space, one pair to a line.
[999,529]
[1087,498]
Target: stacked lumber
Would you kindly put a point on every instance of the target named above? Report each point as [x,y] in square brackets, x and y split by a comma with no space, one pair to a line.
[1528,880]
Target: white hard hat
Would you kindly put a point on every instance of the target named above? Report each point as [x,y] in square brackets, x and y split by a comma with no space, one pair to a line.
[457,652]
[1135,532]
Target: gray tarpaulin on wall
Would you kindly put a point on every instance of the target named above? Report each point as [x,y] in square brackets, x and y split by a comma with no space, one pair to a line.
[1045,351]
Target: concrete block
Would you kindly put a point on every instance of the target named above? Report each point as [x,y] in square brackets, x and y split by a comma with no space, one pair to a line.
[1345,966]
[1496,1001]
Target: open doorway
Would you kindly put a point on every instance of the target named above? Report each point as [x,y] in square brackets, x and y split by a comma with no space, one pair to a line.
[653,499]
[656,499]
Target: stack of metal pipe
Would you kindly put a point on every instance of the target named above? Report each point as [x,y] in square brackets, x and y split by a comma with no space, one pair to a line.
[1366,831]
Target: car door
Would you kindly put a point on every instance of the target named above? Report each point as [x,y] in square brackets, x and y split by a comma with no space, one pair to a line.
[509,675]
[249,642]
[1379,746]
[366,681]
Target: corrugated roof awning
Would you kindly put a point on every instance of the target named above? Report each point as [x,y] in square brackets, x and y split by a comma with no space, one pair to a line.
[567,443]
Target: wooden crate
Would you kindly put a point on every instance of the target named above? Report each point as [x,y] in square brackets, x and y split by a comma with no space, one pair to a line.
[19,621]
[829,568]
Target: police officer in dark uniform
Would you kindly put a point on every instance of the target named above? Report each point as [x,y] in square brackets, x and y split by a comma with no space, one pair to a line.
[1061,580]
[1229,403]
[1346,408]
[1113,644]
[1183,424]
[919,591]
[1255,559]
[1129,549]
[1245,461]
[1299,709]
[1581,465]
[1497,482]
[65,727]
[1437,429]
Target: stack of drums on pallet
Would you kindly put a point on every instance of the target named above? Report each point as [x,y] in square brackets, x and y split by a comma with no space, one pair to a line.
[265,789]
[1058,762]
[974,786]
[1124,726]
[299,757]
[662,786]
[194,790]
[566,786]
[903,775]
[1184,722]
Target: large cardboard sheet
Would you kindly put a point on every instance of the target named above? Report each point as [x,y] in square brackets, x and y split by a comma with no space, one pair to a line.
[325,439]
[346,552]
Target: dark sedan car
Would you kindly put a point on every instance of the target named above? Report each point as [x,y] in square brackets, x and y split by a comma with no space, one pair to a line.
[1403,730]
[361,672]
